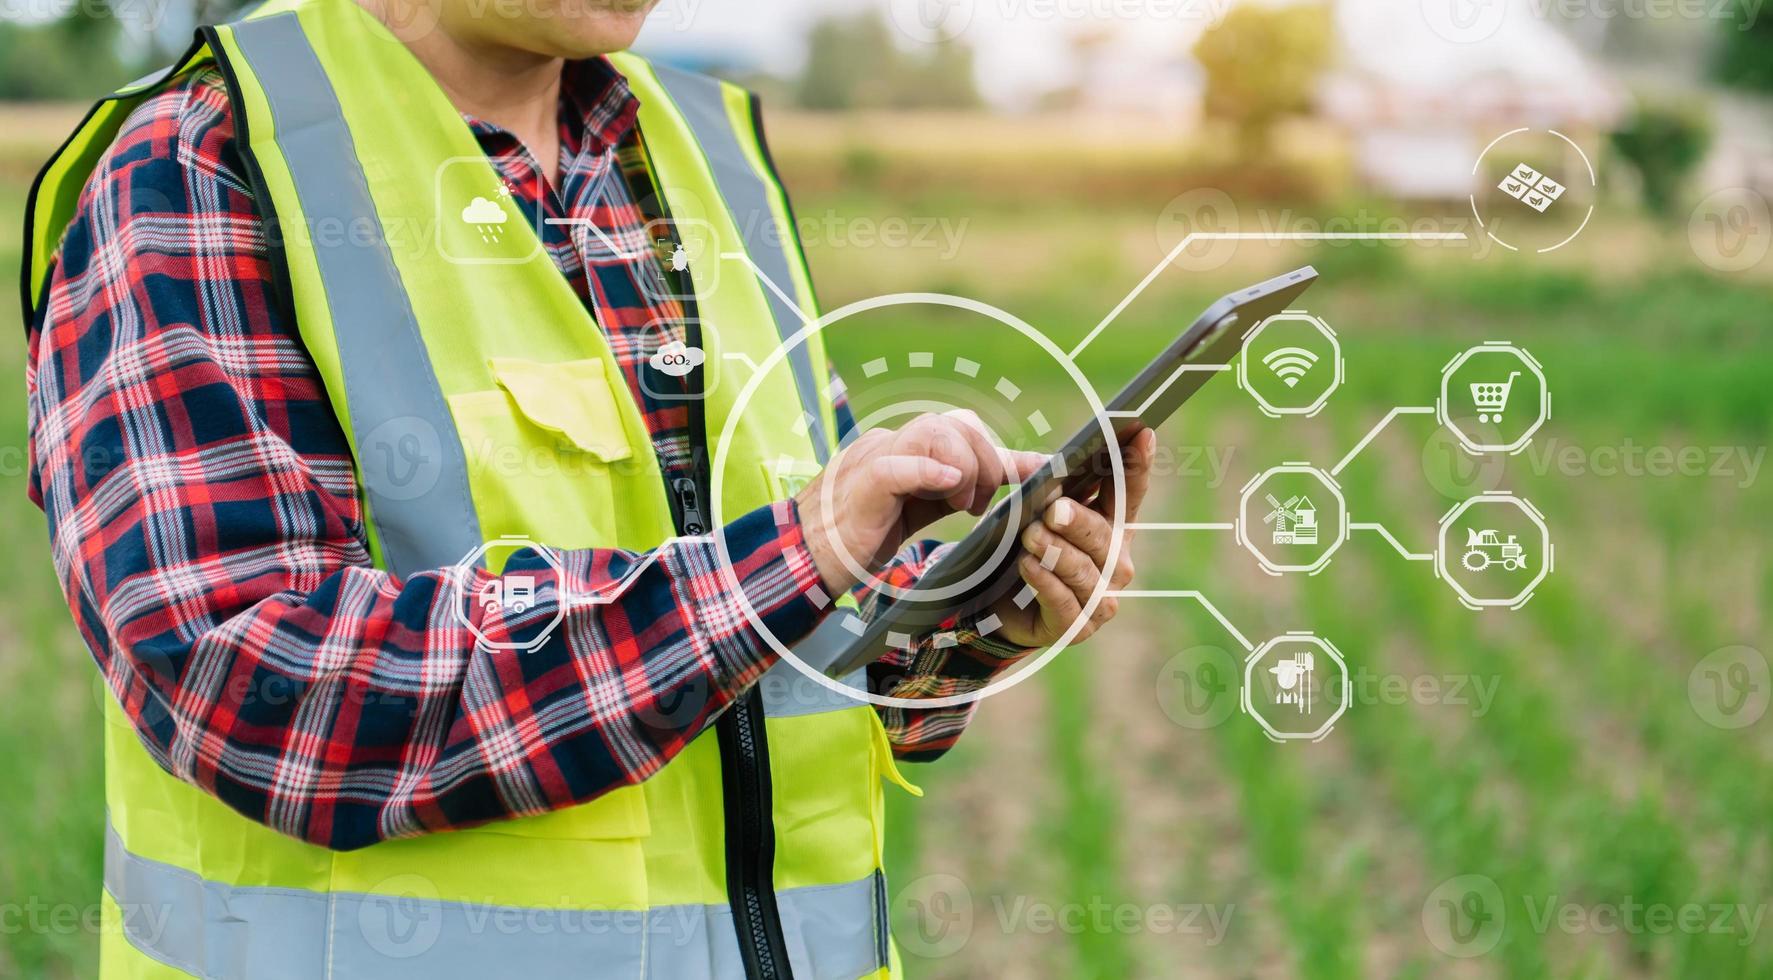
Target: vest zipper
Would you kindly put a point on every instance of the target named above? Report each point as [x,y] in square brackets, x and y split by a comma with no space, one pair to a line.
[744,745]
[744,757]
[751,839]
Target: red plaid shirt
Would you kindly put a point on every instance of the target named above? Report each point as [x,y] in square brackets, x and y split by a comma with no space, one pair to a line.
[207,530]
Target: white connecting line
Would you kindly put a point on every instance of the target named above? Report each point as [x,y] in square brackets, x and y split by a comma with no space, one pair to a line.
[1184,369]
[615,590]
[1186,594]
[608,242]
[1229,526]
[1267,236]
[771,283]
[1374,431]
[1380,528]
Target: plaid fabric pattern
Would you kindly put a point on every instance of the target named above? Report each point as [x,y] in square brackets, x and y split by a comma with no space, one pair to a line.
[206,526]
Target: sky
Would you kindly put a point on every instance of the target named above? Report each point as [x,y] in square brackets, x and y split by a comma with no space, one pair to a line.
[1019,44]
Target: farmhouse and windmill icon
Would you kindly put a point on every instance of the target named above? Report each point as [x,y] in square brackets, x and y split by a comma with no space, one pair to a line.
[1295,522]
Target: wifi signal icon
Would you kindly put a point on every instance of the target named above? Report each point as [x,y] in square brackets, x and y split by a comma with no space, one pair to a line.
[1289,363]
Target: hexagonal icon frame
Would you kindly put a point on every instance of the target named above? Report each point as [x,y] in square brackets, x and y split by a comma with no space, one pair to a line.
[1243,362]
[1269,565]
[1329,649]
[1444,415]
[1520,598]
[463,570]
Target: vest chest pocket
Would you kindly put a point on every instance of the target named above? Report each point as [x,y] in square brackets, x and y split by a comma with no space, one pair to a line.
[548,451]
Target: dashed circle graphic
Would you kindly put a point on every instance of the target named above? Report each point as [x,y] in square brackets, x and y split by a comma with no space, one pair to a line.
[1006,389]
[1038,421]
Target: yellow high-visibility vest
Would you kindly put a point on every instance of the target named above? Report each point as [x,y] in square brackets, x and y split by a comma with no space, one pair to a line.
[480,350]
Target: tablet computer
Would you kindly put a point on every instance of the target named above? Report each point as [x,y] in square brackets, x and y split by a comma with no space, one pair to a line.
[980,568]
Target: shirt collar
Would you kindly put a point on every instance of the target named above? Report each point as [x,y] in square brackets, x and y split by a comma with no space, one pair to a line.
[596,100]
[597,108]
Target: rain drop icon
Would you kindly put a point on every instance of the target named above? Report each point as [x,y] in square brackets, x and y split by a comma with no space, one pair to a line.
[487,218]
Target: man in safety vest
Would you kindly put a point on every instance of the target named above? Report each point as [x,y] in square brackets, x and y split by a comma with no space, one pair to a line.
[350,296]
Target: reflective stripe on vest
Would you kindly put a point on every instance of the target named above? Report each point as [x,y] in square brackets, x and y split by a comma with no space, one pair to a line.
[220,930]
[426,520]
[703,106]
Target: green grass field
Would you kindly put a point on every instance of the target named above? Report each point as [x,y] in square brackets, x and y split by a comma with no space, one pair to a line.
[1098,821]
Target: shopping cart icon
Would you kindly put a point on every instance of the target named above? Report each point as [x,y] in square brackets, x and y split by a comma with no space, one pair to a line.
[1491,397]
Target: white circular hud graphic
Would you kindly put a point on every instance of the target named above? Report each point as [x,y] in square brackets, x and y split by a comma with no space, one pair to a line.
[723,444]
[1524,191]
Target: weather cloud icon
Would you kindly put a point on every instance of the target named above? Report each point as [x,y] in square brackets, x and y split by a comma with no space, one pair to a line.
[486,217]
[677,359]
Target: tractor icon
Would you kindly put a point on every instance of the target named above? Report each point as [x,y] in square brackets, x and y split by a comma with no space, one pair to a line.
[1486,547]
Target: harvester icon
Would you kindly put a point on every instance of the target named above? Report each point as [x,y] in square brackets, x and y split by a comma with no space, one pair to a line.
[1485,548]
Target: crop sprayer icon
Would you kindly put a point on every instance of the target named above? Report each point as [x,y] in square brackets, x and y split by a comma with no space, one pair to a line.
[1491,397]
[1485,548]
[1293,676]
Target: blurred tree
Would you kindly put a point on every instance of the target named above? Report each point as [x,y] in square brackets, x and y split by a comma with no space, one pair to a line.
[216,11]
[168,43]
[1260,63]
[1662,141]
[943,80]
[852,63]
[98,45]
[77,55]
[847,62]
[1745,56]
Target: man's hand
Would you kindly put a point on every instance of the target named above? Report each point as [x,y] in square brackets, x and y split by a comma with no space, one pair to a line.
[1066,554]
[888,483]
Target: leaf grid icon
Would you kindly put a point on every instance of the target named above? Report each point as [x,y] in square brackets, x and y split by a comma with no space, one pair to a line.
[1530,187]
